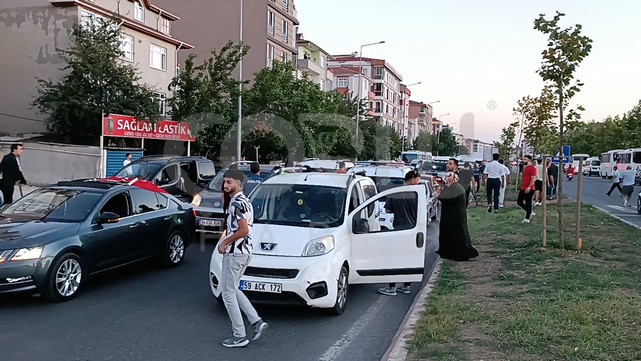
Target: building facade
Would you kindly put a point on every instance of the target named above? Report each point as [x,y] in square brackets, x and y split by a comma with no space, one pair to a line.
[386,86]
[34,29]
[312,61]
[479,149]
[269,29]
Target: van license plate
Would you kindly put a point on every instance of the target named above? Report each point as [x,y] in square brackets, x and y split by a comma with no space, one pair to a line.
[261,286]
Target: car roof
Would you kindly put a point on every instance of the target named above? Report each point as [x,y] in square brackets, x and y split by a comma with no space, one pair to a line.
[383,171]
[167,159]
[337,180]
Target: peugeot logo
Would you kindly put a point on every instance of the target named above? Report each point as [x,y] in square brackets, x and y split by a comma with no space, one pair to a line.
[267,246]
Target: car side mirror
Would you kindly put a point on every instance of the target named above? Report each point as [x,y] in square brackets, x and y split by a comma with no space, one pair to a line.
[360,226]
[108,217]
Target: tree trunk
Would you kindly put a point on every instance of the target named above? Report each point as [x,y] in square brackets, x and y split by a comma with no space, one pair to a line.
[559,191]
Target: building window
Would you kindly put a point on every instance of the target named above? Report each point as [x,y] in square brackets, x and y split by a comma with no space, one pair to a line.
[164,25]
[270,54]
[161,100]
[88,19]
[139,11]
[127,47]
[342,83]
[286,5]
[285,31]
[271,22]
[158,57]
[283,56]
[321,83]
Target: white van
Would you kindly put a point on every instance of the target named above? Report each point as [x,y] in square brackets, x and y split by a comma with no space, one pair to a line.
[313,237]
[591,166]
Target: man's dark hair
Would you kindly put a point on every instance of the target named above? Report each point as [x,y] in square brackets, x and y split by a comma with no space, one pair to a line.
[455,161]
[234,174]
[539,161]
[500,161]
[342,165]
[496,156]
[254,168]
[15,147]
[528,157]
[128,154]
[411,175]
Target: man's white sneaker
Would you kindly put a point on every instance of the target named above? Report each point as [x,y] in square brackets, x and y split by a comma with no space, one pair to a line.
[525,220]
[532,214]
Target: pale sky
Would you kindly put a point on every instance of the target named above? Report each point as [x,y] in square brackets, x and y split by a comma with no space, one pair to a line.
[468,53]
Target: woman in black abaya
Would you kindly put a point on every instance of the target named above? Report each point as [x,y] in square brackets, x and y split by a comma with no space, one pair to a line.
[454,239]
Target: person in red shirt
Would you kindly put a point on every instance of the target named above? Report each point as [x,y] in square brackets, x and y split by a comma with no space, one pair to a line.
[570,172]
[527,187]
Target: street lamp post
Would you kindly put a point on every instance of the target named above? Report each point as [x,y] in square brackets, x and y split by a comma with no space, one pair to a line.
[438,134]
[403,123]
[239,135]
[360,76]
[257,148]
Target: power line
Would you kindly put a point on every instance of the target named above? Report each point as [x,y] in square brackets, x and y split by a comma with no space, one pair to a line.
[23,118]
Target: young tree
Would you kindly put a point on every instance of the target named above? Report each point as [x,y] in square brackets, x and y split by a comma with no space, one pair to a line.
[506,144]
[206,96]
[95,80]
[536,114]
[566,49]
[423,142]
[445,142]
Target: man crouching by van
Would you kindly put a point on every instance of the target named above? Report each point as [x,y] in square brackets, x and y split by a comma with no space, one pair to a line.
[236,249]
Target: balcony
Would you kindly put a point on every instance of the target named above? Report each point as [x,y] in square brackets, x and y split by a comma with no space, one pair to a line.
[308,64]
[270,30]
[286,6]
[285,39]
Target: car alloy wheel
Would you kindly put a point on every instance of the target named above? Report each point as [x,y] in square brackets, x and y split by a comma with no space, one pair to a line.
[341,292]
[65,278]
[174,249]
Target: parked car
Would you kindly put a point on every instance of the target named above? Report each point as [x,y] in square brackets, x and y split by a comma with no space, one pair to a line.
[313,236]
[435,169]
[183,177]
[55,238]
[208,203]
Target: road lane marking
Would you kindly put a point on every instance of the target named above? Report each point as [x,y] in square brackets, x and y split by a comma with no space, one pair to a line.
[339,346]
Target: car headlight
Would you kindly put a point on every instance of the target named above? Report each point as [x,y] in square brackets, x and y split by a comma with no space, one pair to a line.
[4,255]
[197,199]
[319,246]
[24,254]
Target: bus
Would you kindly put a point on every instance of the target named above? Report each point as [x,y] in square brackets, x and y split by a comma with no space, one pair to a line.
[608,162]
[416,157]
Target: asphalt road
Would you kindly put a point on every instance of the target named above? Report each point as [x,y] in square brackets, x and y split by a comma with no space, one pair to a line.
[150,313]
[593,192]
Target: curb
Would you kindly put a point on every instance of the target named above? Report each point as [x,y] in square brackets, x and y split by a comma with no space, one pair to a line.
[398,349]
[611,215]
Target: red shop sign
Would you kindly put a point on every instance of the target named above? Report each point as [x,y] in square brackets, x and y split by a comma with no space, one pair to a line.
[129,127]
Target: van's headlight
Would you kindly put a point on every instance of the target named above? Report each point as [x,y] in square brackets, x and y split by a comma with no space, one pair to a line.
[319,246]
[197,199]
[24,254]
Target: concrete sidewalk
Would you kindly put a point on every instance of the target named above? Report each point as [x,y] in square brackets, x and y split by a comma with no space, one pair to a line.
[25,190]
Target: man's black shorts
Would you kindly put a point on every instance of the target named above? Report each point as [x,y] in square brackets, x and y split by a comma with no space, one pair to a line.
[538,185]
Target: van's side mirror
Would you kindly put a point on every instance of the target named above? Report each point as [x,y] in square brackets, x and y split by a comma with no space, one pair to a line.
[360,226]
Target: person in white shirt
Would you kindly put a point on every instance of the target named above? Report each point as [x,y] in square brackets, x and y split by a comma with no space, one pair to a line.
[494,179]
[506,180]
[616,181]
[538,184]
[628,176]
[127,160]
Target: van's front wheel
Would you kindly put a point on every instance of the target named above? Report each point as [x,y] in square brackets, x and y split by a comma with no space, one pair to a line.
[341,292]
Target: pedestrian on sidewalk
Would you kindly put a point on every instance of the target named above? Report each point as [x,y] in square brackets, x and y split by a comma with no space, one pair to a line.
[527,187]
[616,181]
[494,180]
[405,210]
[553,179]
[11,172]
[538,184]
[628,176]
[236,249]
[477,177]
[506,176]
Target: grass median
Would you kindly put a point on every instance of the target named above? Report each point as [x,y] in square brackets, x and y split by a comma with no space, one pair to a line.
[519,301]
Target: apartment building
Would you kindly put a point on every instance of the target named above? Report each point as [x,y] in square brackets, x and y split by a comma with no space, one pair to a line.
[386,85]
[269,28]
[419,114]
[312,62]
[479,149]
[33,29]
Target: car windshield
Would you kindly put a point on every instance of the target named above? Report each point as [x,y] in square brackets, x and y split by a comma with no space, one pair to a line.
[144,171]
[57,205]
[299,205]
[434,166]
[408,157]
[216,184]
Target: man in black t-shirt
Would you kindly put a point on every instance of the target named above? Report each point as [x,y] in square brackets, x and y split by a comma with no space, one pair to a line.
[553,179]
[405,209]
